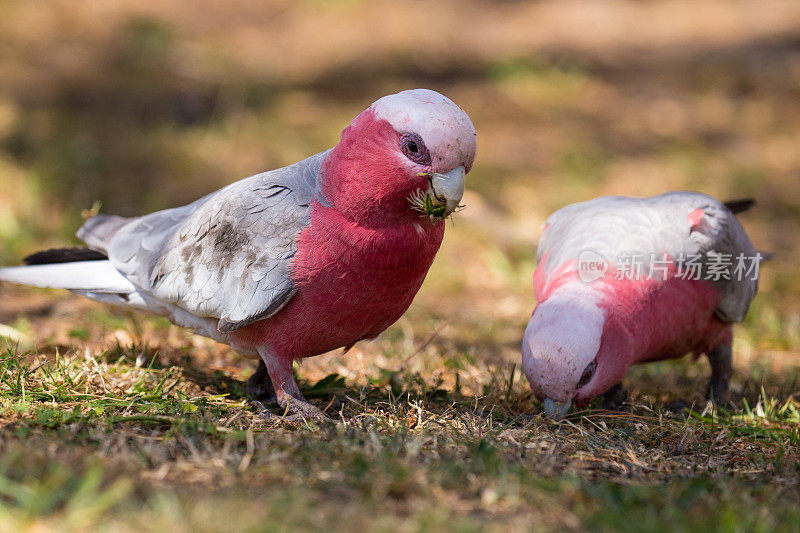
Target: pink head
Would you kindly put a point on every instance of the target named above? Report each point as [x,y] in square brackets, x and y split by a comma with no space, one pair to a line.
[570,349]
[403,146]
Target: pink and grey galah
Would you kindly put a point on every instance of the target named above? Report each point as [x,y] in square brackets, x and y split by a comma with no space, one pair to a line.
[293,262]
[624,280]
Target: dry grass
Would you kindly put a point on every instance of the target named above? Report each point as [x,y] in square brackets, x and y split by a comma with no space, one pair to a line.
[122,422]
[113,436]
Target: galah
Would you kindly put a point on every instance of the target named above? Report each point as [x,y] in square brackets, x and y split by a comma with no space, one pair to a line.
[623,280]
[293,262]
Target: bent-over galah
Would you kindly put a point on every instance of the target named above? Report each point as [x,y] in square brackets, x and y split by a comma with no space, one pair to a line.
[294,262]
[625,280]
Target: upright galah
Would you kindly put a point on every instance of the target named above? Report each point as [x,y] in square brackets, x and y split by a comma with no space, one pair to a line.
[293,262]
[626,280]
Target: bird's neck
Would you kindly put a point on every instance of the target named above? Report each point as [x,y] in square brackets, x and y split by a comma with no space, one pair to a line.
[363,179]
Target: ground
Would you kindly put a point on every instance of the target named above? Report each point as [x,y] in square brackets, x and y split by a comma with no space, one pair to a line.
[119,421]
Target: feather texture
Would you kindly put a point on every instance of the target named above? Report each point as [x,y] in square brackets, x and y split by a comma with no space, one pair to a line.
[617,226]
[226,255]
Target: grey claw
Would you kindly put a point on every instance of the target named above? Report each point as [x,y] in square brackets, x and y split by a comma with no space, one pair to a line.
[263,412]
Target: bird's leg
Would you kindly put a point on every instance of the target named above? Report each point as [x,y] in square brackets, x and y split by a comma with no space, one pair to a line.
[259,385]
[287,392]
[721,359]
[614,398]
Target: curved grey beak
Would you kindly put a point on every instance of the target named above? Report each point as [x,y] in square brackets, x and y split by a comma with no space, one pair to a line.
[556,410]
[449,188]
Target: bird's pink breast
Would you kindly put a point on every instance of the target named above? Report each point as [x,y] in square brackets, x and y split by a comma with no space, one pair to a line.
[353,282]
[667,318]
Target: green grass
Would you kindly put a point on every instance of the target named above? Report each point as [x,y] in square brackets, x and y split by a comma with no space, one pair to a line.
[62,391]
[97,440]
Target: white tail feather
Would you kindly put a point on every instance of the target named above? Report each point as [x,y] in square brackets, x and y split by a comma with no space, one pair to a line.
[96,276]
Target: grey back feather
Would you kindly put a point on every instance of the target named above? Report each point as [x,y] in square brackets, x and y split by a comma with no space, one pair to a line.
[617,226]
[226,255]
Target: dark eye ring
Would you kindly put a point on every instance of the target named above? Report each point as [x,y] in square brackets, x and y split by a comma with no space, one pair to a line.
[587,374]
[414,148]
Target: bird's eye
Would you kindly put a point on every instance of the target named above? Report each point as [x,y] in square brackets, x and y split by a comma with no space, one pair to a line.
[414,148]
[587,374]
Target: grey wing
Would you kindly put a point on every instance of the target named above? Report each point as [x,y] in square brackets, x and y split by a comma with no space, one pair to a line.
[616,226]
[723,240]
[227,255]
[611,226]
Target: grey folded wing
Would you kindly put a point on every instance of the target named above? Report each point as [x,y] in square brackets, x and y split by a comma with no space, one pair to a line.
[616,226]
[226,255]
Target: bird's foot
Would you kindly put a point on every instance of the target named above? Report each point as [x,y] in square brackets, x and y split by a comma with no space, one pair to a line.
[615,399]
[299,409]
[294,411]
[259,386]
[717,391]
[295,407]
[263,412]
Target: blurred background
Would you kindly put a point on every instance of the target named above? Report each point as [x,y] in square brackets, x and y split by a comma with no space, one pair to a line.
[147,105]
